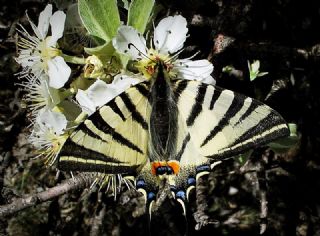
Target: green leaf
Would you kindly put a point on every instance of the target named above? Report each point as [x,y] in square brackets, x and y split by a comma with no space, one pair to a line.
[139,14]
[106,50]
[242,158]
[284,144]
[100,17]
[107,53]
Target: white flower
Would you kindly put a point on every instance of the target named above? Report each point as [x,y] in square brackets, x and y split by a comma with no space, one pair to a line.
[169,38]
[52,120]
[99,93]
[48,134]
[39,54]
[39,95]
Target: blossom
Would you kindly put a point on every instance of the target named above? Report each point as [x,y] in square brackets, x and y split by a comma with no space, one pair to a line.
[38,94]
[39,54]
[48,134]
[168,40]
[99,93]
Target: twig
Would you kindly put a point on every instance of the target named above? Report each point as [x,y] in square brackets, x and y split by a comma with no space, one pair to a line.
[264,211]
[262,186]
[4,163]
[201,216]
[78,182]
[97,222]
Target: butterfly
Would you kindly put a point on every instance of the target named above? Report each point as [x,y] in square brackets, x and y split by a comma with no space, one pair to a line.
[169,130]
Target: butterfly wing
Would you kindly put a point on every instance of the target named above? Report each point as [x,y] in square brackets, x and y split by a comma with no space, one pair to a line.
[215,124]
[113,139]
[222,123]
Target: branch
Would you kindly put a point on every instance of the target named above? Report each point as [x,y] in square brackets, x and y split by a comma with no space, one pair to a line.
[201,217]
[78,182]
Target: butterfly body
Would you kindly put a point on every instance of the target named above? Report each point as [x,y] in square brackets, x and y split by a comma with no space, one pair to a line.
[168,130]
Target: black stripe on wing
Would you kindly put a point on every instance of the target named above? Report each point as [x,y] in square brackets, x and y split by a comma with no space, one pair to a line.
[214,98]
[236,105]
[253,106]
[183,147]
[197,106]
[91,167]
[227,153]
[102,125]
[180,86]
[135,114]
[89,132]
[257,135]
[75,150]
[270,121]
[113,105]
[144,90]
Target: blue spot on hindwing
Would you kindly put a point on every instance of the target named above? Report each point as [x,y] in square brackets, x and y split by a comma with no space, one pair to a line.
[140,183]
[191,181]
[151,196]
[203,168]
[181,194]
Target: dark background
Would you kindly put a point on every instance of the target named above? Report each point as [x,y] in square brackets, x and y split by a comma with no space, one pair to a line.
[284,35]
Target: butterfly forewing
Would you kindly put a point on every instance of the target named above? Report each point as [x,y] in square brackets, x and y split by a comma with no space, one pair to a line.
[112,140]
[222,123]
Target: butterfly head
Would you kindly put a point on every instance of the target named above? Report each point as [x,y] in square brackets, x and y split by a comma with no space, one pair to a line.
[154,63]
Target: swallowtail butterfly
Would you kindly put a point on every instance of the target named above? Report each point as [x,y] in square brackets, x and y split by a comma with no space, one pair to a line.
[169,130]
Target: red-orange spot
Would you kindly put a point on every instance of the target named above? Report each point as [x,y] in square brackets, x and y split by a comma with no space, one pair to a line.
[175,166]
[155,165]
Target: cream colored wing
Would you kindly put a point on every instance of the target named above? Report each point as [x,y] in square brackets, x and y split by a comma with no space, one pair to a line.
[112,140]
[222,123]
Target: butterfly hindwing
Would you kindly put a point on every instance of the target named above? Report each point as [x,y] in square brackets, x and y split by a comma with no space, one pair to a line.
[112,140]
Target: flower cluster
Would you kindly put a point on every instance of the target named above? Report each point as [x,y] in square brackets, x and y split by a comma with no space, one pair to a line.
[168,40]
[59,99]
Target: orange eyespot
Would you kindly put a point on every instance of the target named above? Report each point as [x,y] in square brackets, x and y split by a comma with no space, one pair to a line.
[175,165]
[155,165]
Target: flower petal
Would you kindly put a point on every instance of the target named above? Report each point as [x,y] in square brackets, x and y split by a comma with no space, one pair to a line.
[43,24]
[58,72]
[209,80]
[130,42]
[52,120]
[85,102]
[195,70]
[170,34]
[27,58]
[101,93]
[57,26]
[122,82]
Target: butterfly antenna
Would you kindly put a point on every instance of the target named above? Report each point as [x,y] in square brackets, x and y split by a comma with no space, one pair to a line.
[140,53]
